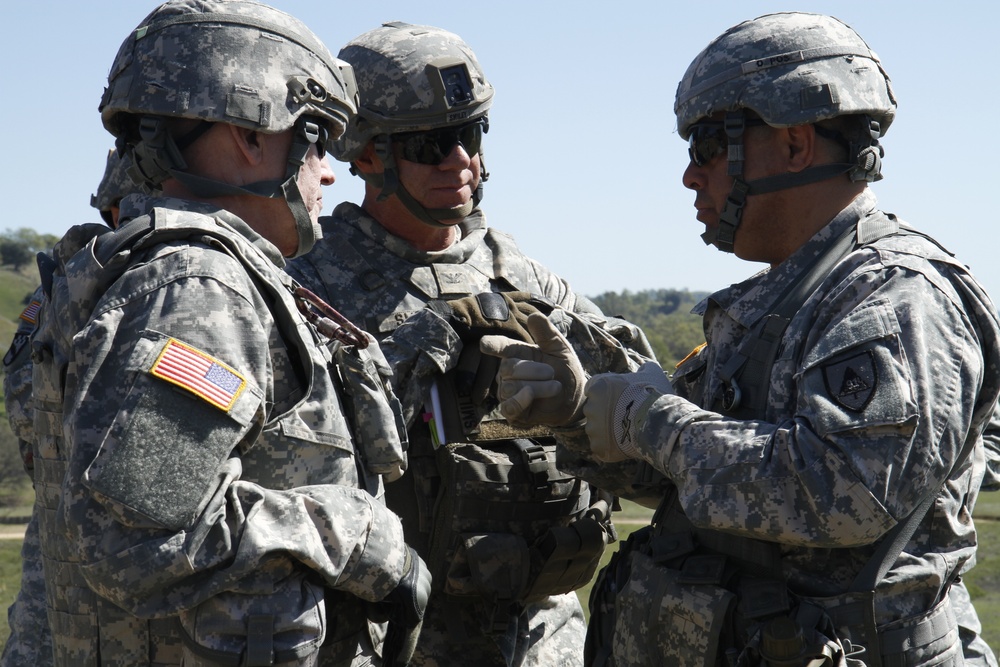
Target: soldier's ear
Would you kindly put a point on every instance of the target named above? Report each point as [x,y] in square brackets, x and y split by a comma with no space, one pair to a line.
[799,142]
[368,162]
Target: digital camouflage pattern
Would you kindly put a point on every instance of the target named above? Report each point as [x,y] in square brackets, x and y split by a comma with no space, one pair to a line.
[284,70]
[789,68]
[383,283]
[867,411]
[173,506]
[412,77]
[114,185]
[30,641]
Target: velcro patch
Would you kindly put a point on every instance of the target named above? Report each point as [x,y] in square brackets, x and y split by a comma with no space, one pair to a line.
[201,374]
[30,313]
[851,383]
[20,340]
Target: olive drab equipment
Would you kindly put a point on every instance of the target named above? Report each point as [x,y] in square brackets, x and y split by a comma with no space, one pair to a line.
[284,78]
[731,588]
[786,69]
[496,521]
[411,78]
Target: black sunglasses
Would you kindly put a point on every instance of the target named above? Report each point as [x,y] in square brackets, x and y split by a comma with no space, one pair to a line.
[431,147]
[709,140]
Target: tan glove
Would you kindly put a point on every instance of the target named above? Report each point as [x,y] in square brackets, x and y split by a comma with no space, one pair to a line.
[615,408]
[540,383]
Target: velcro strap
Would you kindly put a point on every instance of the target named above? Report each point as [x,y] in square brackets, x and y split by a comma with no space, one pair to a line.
[260,640]
[703,570]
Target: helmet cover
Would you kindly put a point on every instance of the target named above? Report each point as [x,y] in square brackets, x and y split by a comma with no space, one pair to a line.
[790,69]
[232,61]
[411,78]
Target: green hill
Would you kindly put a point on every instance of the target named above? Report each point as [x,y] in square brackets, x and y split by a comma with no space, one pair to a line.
[15,287]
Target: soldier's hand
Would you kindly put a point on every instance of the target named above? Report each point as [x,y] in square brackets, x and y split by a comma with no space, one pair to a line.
[472,317]
[404,609]
[613,408]
[499,313]
[540,383]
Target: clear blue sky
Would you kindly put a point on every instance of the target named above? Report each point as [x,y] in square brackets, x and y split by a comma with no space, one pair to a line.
[583,150]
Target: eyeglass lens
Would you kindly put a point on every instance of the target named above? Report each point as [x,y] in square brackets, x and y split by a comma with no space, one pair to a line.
[433,146]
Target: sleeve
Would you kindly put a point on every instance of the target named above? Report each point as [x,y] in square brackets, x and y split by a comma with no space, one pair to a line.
[883,409]
[179,360]
[17,380]
[604,345]
[421,349]
[991,439]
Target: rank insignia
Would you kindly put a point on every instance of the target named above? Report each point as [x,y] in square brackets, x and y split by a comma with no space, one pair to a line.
[851,383]
[201,374]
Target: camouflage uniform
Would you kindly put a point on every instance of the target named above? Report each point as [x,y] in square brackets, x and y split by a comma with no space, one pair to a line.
[840,392]
[740,483]
[378,279]
[217,507]
[480,511]
[29,642]
[199,489]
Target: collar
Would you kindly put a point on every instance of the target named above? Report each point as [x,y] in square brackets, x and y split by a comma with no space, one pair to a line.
[137,205]
[472,232]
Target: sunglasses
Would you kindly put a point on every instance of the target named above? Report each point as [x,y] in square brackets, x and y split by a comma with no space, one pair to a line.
[316,132]
[708,140]
[433,146]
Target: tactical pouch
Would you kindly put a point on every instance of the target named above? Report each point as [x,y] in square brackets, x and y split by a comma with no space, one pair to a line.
[283,627]
[565,558]
[685,626]
[508,526]
[376,413]
[645,613]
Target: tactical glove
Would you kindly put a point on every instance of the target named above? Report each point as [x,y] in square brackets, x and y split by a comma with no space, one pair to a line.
[615,406]
[404,609]
[501,313]
[539,383]
[472,317]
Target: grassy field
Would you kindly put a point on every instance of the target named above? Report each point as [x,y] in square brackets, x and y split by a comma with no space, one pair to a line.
[983,582]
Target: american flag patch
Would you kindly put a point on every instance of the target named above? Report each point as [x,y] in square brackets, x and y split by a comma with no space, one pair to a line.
[30,314]
[202,375]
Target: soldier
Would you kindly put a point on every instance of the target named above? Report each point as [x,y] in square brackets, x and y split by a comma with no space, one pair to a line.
[842,392]
[507,535]
[29,642]
[201,493]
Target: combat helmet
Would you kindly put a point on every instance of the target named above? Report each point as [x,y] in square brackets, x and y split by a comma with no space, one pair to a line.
[231,61]
[115,184]
[787,69]
[412,78]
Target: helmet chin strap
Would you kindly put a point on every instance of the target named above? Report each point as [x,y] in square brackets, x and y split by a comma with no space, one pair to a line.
[867,168]
[389,184]
[157,158]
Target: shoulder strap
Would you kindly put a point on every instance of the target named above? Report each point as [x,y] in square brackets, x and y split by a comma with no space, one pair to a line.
[748,373]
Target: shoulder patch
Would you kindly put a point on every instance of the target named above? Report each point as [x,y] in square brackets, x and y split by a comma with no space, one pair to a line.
[20,340]
[30,313]
[199,373]
[851,383]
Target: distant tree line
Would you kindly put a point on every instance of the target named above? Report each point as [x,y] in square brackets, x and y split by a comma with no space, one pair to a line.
[19,247]
[664,315]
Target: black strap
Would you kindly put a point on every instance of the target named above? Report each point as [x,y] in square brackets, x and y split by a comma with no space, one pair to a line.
[748,373]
